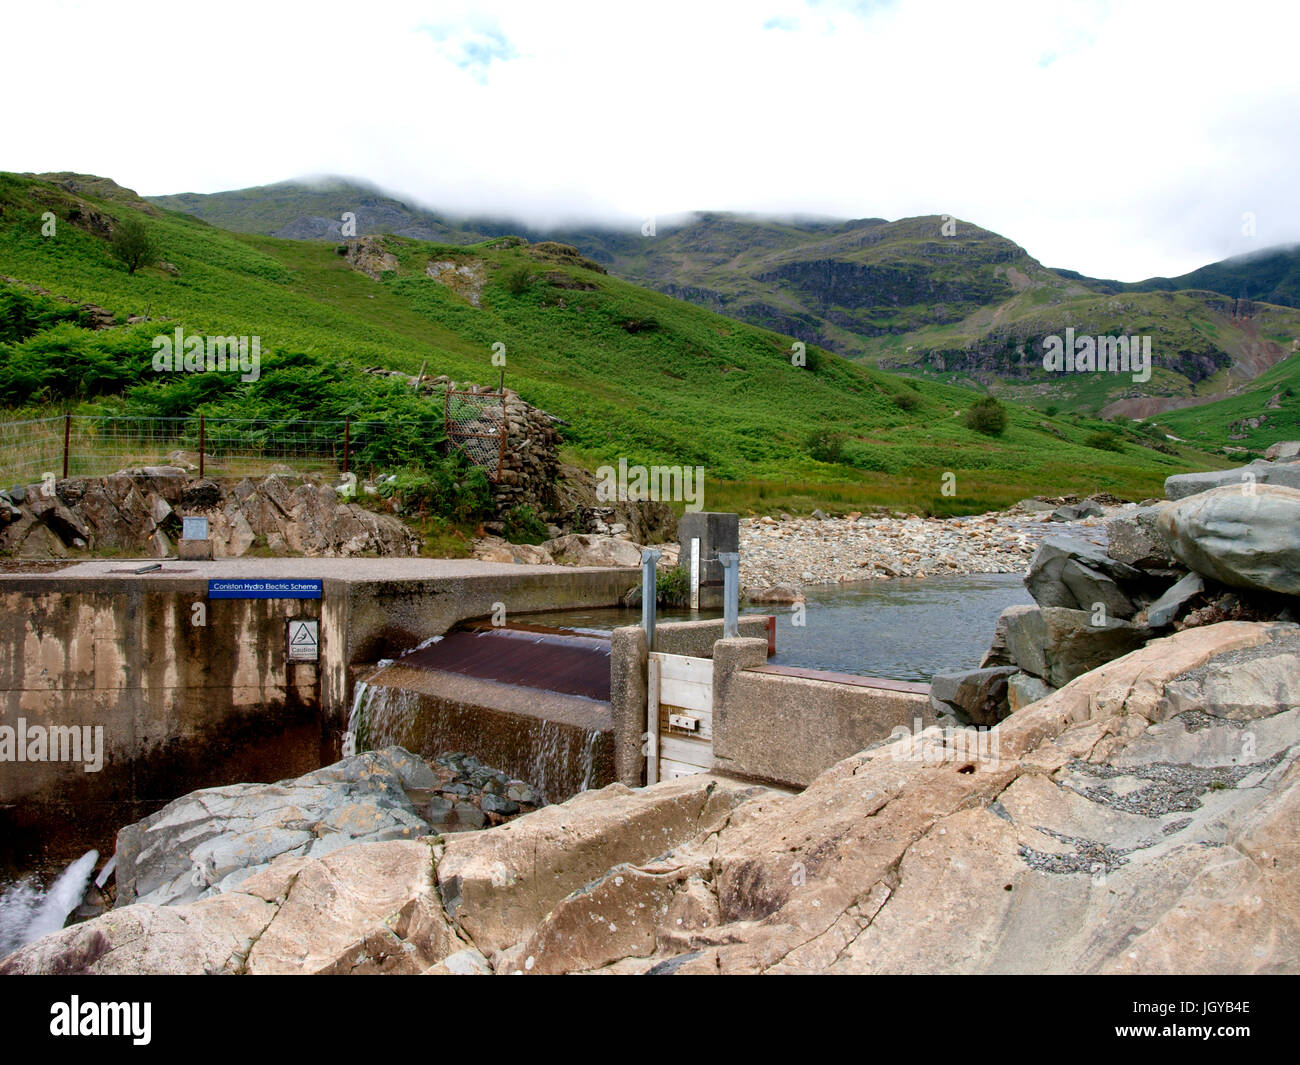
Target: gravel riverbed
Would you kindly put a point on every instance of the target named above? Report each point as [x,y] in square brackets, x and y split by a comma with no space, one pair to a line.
[800,551]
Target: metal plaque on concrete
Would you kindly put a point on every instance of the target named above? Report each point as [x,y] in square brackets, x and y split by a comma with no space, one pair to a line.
[304,640]
[194,528]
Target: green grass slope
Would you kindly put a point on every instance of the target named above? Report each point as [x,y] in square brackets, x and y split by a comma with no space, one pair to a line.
[636,374]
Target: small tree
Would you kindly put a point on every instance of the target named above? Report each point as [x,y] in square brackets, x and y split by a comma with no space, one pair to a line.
[988,416]
[131,245]
[826,446]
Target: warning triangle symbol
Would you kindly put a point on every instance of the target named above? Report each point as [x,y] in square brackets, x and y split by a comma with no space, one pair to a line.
[303,635]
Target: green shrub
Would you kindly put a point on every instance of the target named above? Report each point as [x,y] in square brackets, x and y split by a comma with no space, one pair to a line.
[907,401]
[516,280]
[1052,410]
[673,587]
[988,416]
[523,526]
[826,446]
[1103,441]
[452,490]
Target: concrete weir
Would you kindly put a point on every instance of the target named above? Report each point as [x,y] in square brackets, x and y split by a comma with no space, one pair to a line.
[192,691]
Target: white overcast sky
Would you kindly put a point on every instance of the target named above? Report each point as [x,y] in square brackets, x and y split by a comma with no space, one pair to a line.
[1123,139]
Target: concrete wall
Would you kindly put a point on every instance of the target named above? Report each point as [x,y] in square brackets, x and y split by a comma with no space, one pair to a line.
[777,726]
[175,703]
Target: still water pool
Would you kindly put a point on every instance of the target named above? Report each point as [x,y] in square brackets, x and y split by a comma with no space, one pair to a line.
[904,629]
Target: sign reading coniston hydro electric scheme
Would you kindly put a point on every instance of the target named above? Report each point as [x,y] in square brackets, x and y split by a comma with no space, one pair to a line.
[245,588]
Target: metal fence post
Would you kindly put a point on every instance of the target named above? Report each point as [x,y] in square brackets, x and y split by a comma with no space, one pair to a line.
[347,438]
[649,559]
[730,593]
[202,444]
[67,442]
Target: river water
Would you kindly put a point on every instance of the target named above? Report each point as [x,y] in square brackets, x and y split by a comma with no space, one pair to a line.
[904,629]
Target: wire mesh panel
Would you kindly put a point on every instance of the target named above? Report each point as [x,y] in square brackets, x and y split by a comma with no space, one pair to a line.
[476,423]
[30,449]
[88,446]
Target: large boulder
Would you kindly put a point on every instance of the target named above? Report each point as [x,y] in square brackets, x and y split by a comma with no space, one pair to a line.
[978,695]
[1283,451]
[1078,575]
[584,549]
[1135,540]
[1243,536]
[1285,474]
[998,653]
[1058,644]
[208,841]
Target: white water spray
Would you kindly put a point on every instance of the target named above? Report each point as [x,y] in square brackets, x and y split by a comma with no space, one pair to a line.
[27,912]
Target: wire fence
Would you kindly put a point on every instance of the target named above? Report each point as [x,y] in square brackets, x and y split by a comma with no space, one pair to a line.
[86,446]
[476,423]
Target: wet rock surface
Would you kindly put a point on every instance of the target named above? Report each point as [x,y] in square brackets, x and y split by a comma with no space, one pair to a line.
[207,842]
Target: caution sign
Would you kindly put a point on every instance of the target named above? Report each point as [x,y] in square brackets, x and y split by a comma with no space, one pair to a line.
[304,640]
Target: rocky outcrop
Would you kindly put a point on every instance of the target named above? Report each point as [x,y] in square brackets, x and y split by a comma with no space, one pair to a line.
[138,512]
[368,255]
[208,842]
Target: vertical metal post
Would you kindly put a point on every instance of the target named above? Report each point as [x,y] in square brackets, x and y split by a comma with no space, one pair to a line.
[730,593]
[67,442]
[695,573]
[649,559]
[203,442]
[347,440]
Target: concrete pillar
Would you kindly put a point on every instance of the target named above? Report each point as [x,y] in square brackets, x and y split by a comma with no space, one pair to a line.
[627,702]
[729,658]
[716,532]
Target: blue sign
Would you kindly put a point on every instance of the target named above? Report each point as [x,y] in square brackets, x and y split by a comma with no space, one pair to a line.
[264,589]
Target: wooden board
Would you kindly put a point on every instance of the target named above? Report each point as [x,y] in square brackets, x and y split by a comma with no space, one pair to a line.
[681,684]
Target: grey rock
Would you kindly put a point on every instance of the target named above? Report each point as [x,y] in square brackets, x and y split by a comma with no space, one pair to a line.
[206,842]
[1162,612]
[1246,537]
[1024,689]
[1135,540]
[1078,575]
[978,695]
[1077,511]
[1059,644]
[1283,451]
[1182,485]
[498,804]
[998,654]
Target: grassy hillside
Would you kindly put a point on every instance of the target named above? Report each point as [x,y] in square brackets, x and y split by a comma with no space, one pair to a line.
[1271,275]
[635,373]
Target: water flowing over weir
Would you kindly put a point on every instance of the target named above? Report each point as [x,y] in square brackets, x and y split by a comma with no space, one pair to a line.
[531,702]
[27,912]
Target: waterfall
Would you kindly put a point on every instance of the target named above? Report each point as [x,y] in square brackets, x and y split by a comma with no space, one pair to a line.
[27,912]
[557,759]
